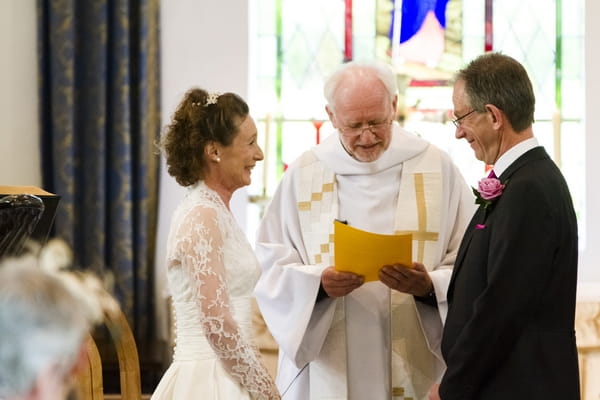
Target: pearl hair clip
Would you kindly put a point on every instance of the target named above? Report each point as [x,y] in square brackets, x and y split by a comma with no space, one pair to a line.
[212,98]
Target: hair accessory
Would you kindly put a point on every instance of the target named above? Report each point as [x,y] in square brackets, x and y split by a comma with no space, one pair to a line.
[212,98]
[195,103]
[56,258]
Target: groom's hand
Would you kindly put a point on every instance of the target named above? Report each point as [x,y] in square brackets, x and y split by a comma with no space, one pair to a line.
[434,392]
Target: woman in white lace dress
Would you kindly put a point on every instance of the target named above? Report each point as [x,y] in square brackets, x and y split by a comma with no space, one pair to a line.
[211,147]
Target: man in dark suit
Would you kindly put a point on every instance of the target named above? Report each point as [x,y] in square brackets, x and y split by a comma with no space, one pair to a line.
[509,333]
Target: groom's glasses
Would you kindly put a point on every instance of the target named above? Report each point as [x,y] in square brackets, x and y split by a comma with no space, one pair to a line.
[457,122]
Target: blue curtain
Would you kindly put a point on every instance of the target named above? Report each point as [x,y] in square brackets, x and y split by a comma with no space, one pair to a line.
[100,119]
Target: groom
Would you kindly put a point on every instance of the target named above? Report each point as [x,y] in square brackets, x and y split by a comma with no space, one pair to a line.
[509,333]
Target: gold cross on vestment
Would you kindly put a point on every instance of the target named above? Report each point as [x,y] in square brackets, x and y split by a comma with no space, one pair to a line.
[420,235]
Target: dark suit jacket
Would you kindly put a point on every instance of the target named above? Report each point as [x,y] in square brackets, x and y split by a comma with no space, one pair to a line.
[509,333]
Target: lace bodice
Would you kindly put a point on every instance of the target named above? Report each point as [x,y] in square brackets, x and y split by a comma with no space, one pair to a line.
[211,273]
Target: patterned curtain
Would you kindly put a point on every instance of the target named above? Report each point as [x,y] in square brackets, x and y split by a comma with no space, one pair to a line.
[99,82]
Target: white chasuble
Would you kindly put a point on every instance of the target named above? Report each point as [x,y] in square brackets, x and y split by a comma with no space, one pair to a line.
[413,365]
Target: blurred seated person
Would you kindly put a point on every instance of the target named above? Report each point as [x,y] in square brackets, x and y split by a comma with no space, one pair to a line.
[45,318]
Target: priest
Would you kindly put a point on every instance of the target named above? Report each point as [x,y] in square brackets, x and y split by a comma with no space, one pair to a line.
[341,338]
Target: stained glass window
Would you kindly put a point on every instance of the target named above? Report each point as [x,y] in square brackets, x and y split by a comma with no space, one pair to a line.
[295,45]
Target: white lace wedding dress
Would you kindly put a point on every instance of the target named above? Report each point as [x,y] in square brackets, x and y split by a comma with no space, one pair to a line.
[211,274]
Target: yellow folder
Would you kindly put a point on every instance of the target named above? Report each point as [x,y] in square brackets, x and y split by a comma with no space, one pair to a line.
[364,253]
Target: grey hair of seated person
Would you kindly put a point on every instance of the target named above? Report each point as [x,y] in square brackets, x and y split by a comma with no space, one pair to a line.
[43,325]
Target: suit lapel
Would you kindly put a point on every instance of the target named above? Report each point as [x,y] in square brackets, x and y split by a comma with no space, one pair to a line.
[480,215]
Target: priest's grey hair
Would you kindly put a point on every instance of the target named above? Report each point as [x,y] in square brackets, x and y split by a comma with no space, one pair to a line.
[380,69]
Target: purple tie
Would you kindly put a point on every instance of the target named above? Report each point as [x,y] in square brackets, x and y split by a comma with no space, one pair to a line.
[492,175]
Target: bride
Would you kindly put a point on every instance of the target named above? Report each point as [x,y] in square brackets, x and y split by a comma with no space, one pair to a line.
[211,147]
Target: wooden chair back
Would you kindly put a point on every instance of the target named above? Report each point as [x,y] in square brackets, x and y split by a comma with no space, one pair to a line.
[89,381]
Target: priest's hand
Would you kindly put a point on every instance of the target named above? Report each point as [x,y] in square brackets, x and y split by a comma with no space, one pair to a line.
[413,280]
[340,283]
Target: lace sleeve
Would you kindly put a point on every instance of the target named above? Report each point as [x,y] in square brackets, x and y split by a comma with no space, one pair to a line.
[200,249]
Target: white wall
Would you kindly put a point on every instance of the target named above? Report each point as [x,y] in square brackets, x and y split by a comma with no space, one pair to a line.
[19,131]
[590,257]
[205,44]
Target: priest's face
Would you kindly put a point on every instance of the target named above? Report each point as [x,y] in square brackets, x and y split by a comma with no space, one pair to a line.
[363,113]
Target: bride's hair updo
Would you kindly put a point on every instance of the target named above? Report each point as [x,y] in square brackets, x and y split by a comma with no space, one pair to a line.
[199,119]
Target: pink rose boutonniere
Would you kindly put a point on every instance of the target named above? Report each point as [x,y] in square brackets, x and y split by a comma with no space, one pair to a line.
[490,188]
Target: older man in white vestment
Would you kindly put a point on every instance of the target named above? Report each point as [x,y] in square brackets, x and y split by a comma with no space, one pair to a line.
[341,338]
